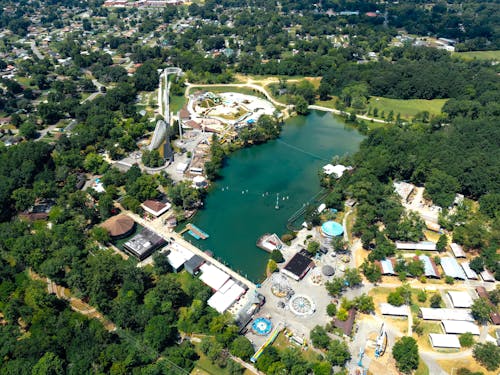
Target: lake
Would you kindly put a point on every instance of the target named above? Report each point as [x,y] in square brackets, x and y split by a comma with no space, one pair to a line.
[240,207]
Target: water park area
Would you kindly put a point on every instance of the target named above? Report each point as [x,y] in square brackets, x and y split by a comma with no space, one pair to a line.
[215,111]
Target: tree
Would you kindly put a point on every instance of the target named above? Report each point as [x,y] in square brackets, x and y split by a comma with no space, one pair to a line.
[488,355]
[481,310]
[352,277]
[466,339]
[338,353]
[442,243]
[335,286]
[395,299]
[405,352]
[313,247]
[319,337]
[242,347]
[28,130]
[331,309]
[159,332]
[364,303]
[371,271]
[441,188]
[277,256]
[272,266]
[436,301]
[49,364]
[301,105]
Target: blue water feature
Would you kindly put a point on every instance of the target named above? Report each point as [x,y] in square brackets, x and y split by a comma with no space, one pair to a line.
[262,326]
[332,229]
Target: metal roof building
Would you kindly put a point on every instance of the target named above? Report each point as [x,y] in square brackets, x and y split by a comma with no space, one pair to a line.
[458,327]
[388,309]
[460,299]
[457,250]
[487,276]
[213,276]
[469,272]
[452,268]
[423,245]
[429,313]
[439,340]
[430,269]
[386,267]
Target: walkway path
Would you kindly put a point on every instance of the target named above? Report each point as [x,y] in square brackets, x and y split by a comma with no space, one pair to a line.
[337,112]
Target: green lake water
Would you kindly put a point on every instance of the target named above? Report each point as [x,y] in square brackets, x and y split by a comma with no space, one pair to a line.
[240,207]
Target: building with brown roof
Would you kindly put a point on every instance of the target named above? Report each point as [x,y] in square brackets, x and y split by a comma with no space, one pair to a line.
[155,208]
[119,226]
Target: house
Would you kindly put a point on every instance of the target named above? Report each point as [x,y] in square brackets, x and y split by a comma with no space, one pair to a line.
[452,268]
[155,208]
[457,250]
[459,327]
[429,313]
[346,325]
[423,246]
[386,267]
[298,266]
[192,266]
[142,245]
[469,272]
[388,309]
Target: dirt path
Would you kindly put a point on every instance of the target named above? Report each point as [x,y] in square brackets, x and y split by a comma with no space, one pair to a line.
[76,303]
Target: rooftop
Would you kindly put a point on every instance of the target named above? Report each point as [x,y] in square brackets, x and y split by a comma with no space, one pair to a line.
[297,266]
[143,244]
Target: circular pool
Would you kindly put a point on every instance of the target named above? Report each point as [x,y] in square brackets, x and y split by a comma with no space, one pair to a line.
[332,229]
[302,305]
[262,326]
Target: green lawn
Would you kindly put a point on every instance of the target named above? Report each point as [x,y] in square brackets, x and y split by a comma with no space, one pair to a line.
[206,366]
[422,368]
[480,55]
[177,102]
[407,108]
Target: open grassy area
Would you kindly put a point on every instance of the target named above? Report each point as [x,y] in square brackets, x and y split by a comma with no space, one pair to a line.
[407,108]
[422,368]
[205,366]
[177,102]
[469,363]
[480,55]
[282,342]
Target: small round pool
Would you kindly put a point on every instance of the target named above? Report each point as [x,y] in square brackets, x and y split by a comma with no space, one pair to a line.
[262,326]
[332,229]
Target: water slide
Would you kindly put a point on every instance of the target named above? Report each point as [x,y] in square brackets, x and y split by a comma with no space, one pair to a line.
[268,342]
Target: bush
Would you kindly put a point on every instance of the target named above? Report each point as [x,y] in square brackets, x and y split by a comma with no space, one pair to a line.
[277,256]
[449,280]
[421,296]
[466,340]
[331,309]
[395,299]
[436,301]
[272,266]
[319,337]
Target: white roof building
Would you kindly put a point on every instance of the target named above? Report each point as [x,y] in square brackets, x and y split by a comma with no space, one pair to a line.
[213,276]
[337,170]
[469,272]
[429,313]
[403,189]
[178,256]
[460,299]
[423,245]
[221,301]
[439,340]
[457,250]
[458,327]
[487,276]
[181,167]
[388,309]
[452,268]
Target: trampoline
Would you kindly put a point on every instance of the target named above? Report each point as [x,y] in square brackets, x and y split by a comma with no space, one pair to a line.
[332,229]
[262,326]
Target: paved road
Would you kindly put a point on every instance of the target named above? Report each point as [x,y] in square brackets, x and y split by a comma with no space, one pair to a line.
[36,51]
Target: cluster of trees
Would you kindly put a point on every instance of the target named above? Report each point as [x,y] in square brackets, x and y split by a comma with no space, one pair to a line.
[266,128]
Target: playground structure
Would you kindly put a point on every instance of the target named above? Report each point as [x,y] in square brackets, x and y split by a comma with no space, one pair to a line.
[279,285]
[381,343]
[302,305]
[279,327]
[262,326]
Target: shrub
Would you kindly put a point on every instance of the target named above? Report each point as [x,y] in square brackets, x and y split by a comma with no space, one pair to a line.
[466,340]
[331,309]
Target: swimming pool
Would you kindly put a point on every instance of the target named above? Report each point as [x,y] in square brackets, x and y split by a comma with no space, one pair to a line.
[332,229]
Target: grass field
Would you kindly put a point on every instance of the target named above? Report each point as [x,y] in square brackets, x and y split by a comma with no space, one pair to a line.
[480,55]
[422,368]
[407,108]
[177,102]
[205,366]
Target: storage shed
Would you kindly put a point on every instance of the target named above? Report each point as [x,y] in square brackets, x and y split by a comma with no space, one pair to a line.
[460,299]
[439,340]
[458,327]
[452,268]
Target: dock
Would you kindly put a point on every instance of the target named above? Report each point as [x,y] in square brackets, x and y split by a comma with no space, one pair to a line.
[195,232]
[269,242]
[163,231]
